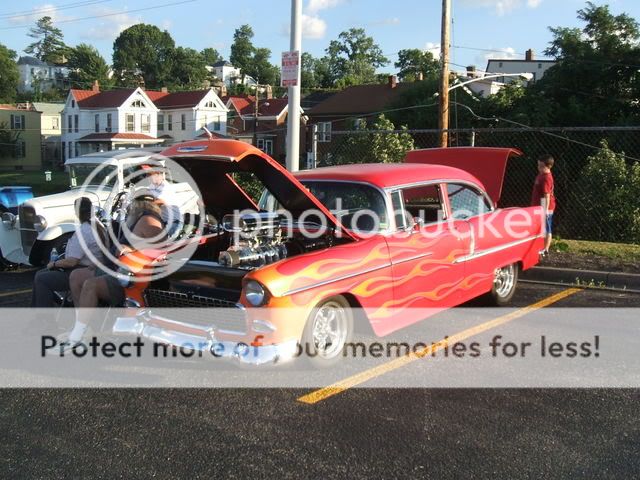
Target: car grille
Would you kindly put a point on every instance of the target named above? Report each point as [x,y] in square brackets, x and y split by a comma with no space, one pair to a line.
[203,311]
[28,235]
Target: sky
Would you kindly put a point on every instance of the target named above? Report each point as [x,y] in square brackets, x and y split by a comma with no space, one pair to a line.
[481,28]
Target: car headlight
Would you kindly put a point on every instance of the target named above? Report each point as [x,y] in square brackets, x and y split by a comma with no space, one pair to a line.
[125,277]
[40,223]
[255,293]
[8,220]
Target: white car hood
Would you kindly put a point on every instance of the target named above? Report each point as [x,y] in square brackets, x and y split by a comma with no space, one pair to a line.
[58,207]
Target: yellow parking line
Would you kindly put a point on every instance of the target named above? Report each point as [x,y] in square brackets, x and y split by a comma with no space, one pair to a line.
[15,292]
[338,387]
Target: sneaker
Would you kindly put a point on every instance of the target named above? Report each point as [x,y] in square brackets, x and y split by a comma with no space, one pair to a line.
[64,346]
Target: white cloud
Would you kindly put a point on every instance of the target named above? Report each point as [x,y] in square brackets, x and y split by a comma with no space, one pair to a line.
[434,48]
[502,7]
[507,53]
[313,27]
[314,6]
[108,28]
[46,10]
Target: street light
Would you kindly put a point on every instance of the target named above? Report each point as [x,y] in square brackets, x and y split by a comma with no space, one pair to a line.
[525,76]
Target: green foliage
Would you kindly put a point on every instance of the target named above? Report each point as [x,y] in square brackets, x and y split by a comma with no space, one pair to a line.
[210,56]
[262,69]
[608,189]
[315,72]
[242,48]
[353,58]
[9,75]
[189,69]
[593,83]
[413,62]
[87,65]
[377,143]
[49,45]
[143,52]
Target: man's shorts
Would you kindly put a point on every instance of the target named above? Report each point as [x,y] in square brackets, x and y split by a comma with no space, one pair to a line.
[549,224]
[116,291]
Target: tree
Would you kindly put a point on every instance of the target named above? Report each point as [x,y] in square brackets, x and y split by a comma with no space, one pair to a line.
[353,58]
[607,189]
[595,80]
[9,75]
[242,49]
[49,45]
[86,66]
[413,62]
[189,69]
[143,52]
[378,143]
[315,72]
[262,69]
[210,56]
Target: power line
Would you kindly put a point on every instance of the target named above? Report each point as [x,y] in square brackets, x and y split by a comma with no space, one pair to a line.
[106,14]
[50,9]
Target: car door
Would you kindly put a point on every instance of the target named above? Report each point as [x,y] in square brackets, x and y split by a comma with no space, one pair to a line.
[468,203]
[424,249]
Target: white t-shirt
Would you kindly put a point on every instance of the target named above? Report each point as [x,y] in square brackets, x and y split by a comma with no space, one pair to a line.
[76,249]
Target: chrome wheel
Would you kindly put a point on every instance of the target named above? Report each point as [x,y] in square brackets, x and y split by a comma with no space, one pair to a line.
[504,280]
[329,329]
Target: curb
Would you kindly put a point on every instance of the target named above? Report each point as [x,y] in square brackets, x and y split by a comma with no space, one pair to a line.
[616,280]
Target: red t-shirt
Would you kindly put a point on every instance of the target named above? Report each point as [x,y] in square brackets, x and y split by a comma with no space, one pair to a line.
[542,186]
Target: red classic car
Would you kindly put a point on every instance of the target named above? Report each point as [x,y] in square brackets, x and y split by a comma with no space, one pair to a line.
[391,240]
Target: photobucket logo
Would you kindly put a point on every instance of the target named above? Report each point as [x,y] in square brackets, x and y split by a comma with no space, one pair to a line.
[128,245]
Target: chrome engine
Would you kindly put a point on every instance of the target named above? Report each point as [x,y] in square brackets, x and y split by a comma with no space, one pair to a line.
[257,240]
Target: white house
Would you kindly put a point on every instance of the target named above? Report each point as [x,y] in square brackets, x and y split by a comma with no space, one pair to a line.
[229,75]
[35,73]
[95,121]
[529,65]
[182,115]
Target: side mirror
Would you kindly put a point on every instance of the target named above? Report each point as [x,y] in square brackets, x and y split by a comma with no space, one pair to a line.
[418,223]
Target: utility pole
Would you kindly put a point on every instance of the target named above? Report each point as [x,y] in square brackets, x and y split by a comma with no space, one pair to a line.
[443,107]
[293,117]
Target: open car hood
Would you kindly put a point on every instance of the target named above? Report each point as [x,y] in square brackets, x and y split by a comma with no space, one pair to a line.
[487,164]
[212,162]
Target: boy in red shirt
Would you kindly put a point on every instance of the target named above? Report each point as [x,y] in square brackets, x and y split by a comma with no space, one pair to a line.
[543,195]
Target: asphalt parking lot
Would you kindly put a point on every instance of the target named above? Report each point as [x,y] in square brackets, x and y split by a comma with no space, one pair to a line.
[265,433]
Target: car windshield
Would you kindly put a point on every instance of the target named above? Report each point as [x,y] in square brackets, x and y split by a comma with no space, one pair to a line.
[358,207]
[81,174]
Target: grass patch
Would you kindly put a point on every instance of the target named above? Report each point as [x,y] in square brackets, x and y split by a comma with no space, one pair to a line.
[618,251]
[59,181]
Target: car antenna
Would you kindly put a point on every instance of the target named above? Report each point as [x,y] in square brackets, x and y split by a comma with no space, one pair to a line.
[209,134]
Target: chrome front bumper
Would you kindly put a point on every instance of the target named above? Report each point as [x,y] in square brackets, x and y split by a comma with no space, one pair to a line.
[203,340]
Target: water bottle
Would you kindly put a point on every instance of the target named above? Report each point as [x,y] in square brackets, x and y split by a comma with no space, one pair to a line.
[54,255]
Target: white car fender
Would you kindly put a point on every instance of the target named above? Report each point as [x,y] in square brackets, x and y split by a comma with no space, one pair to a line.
[56,231]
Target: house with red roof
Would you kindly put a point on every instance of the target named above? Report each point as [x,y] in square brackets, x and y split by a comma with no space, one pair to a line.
[95,120]
[262,122]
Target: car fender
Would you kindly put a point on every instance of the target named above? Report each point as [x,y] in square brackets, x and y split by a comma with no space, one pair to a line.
[56,231]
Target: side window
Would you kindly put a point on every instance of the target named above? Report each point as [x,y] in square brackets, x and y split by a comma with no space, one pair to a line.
[425,202]
[466,201]
[398,210]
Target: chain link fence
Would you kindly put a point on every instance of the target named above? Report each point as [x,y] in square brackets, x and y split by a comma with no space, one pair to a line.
[597,188]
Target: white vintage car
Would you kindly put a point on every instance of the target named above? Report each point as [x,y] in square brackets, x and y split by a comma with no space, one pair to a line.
[47,222]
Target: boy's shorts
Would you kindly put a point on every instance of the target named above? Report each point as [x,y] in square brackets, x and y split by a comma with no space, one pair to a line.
[549,224]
